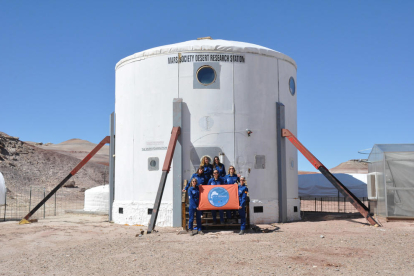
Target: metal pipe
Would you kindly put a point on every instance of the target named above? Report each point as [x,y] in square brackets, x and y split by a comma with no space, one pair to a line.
[334,181]
[178,164]
[165,170]
[5,204]
[344,205]
[338,201]
[17,205]
[111,164]
[30,198]
[44,205]
[281,163]
[72,173]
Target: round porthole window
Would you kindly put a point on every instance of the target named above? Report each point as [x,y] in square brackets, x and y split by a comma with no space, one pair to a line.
[153,163]
[206,75]
[292,86]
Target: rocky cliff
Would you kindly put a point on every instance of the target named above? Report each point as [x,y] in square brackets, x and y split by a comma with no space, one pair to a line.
[26,164]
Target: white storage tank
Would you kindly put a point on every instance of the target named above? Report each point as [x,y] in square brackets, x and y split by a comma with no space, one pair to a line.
[97,199]
[225,88]
[3,190]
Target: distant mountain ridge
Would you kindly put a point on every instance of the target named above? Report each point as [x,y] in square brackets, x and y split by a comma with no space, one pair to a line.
[77,148]
[350,166]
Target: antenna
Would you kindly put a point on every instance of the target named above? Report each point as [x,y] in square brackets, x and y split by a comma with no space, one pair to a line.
[362,151]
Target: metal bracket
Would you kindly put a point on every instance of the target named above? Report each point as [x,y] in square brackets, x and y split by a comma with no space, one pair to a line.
[165,170]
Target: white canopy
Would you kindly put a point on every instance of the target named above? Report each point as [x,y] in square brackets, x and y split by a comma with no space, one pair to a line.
[316,185]
[2,190]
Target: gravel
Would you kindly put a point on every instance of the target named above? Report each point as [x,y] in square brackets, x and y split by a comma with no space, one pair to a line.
[89,245]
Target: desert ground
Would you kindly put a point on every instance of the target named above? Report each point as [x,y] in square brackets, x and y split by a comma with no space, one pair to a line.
[90,245]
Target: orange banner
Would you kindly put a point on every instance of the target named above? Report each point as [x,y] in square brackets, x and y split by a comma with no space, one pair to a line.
[219,197]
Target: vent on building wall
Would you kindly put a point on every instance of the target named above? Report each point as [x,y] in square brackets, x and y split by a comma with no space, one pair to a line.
[258,209]
[260,162]
[153,163]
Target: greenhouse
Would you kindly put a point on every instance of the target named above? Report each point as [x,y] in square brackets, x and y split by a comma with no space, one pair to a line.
[391,180]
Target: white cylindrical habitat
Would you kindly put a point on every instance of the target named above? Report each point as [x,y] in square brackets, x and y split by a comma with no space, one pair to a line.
[229,92]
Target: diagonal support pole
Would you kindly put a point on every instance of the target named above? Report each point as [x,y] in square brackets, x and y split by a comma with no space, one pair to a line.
[82,163]
[337,184]
[165,170]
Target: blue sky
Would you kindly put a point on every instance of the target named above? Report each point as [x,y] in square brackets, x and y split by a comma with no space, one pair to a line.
[355,63]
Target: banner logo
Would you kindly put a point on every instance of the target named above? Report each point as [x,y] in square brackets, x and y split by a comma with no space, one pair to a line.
[218,197]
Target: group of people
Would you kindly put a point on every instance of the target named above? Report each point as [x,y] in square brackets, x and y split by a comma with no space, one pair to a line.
[214,174]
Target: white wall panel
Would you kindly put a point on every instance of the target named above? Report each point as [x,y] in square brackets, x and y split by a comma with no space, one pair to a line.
[287,70]
[124,142]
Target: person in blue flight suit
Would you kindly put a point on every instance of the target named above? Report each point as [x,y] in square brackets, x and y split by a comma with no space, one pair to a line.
[199,175]
[194,195]
[242,204]
[218,166]
[231,178]
[208,168]
[216,180]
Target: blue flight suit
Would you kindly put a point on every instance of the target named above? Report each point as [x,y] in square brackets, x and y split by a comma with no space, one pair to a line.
[242,202]
[193,195]
[221,170]
[208,171]
[219,181]
[231,179]
[201,180]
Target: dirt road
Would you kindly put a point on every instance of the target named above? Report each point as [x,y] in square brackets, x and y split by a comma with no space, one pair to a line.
[89,245]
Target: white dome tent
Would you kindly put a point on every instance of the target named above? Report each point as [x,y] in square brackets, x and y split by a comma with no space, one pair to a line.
[3,190]
[317,185]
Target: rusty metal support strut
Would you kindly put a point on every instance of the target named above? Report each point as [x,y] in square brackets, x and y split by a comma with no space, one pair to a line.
[337,184]
[85,160]
[165,170]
